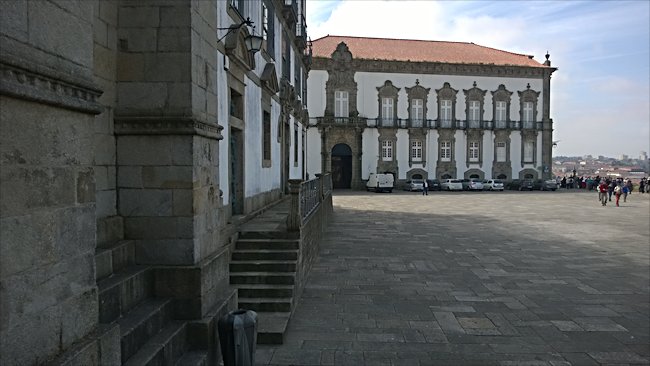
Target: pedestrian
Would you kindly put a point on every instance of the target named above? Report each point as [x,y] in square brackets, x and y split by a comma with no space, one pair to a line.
[602,193]
[617,193]
[425,187]
[629,186]
[642,185]
[610,189]
[625,191]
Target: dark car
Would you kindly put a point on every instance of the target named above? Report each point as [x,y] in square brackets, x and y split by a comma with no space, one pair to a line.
[520,185]
[545,185]
[434,184]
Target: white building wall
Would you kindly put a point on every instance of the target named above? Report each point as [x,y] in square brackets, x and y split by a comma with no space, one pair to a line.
[402,150]
[538,153]
[314,146]
[488,153]
[316,93]
[368,106]
[370,141]
[515,153]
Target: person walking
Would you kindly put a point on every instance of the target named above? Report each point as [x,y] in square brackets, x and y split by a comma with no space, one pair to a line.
[642,185]
[425,188]
[617,193]
[625,191]
[610,189]
[602,193]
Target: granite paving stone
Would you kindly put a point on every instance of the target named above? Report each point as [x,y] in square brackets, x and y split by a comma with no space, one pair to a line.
[475,278]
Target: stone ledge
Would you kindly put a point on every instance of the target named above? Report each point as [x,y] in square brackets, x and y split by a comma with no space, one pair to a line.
[31,85]
[166,126]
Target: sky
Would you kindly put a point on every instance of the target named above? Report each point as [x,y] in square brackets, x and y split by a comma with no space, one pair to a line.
[600,94]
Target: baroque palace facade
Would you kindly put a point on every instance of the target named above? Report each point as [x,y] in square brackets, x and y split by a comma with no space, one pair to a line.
[136,137]
[426,109]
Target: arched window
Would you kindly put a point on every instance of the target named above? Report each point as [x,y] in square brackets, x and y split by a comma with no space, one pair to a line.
[416,176]
[474,176]
[446,176]
[502,176]
[528,176]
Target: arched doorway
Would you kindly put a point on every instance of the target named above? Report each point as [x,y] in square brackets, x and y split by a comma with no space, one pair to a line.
[341,166]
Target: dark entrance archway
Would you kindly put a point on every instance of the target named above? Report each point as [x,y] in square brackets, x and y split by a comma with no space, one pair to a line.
[341,166]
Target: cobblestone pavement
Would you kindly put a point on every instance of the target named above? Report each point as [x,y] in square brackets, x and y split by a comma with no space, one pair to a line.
[483,278]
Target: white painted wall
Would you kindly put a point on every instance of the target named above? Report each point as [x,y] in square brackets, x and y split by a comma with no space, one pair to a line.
[370,141]
[488,153]
[316,93]
[402,152]
[515,153]
[314,146]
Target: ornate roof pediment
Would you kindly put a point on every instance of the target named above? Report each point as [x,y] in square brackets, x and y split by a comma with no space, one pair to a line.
[269,78]
[474,93]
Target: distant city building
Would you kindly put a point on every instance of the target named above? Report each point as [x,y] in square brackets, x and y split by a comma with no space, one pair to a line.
[426,109]
[643,155]
[623,157]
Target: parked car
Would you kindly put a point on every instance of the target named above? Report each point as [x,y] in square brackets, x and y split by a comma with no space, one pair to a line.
[452,185]
[380,182]
[434,184]
[520,185]
[414,185]
[493,185]
[545,185]
[472,185]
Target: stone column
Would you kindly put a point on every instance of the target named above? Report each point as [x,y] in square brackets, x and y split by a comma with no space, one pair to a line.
[294,220]
[547,125]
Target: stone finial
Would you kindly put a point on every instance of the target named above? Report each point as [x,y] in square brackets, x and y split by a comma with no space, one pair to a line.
[528,86]
[547,62]
[474,84]
[417,81]
[547,55]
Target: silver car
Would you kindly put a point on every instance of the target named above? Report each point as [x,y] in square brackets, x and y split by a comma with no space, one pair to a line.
[493,185]
[452,185]
[414,185]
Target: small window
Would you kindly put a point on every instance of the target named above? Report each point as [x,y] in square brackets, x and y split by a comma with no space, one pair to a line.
[529,151]
[528,112]
[474,107]
[387,109]
[268,31]
[500,109]
[416,150]
[445,110]
[295,146]
[266,143]
[474,151]
[387,150]
[417,109]
[236,104]
[445,151]
[501,151]
[341,103]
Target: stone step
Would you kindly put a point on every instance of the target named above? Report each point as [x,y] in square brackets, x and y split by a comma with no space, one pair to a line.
[142,323]
[266,304]
[272,327]
[267,244]
[261,255]
[123,290]
[269,278]
[168,345]
[270,234]
[261,290]
[193,358]
[114,258]
[262,266]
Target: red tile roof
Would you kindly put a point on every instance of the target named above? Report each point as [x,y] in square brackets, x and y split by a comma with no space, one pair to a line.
[421,51]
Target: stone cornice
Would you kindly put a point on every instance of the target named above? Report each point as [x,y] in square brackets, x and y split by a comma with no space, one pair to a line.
[438,68]
[166,126]
[21,83]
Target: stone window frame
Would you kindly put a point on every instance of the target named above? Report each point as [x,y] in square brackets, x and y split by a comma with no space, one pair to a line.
[390,149]
[475,95]
[417,134]
[388,90]
[446,93]
[417,92]
[474,171]
[415,148]
[341,78]
[501,95]
[528,95]
[451,151]
[529,136]
[475,136]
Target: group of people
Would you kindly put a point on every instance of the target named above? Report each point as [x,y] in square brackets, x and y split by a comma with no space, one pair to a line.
[618,188]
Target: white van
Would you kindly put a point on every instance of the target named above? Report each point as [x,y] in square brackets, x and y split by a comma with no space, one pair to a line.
[380,182]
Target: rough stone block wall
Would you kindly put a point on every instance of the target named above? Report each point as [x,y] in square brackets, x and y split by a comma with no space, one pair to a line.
[109,225]
[48,298]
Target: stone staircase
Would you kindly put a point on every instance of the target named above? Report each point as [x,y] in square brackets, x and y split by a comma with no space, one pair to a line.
[149,335]
[263,269]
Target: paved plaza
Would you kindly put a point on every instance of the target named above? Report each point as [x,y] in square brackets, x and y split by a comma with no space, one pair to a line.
[484,278]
